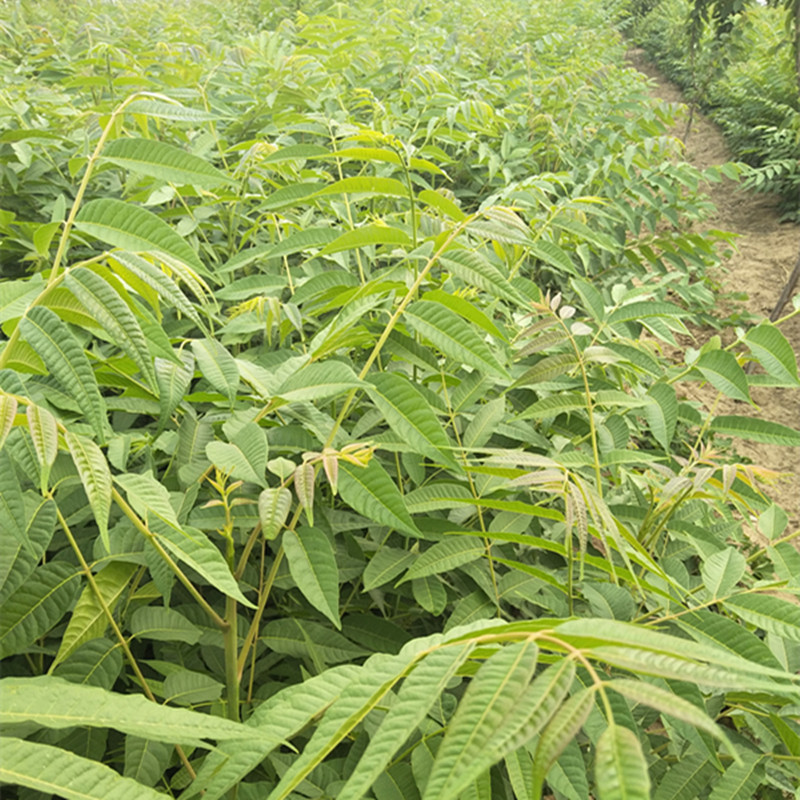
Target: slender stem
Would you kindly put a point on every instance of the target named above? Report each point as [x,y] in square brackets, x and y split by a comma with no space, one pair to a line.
[232,676]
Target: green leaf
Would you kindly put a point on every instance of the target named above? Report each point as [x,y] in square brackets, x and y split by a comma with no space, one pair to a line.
[173,382]
[410,416]
[769,613]
[52,702]
[465,309]
[563,728]
[245,457]
[662,413]
[296,152]
[722,570]
[319,380]
[786,560]
[37,606]
[481,715]
[442,204]
[365,236]
[146,760]
[756,430]
[475,270]
[446,555]
[310,640]
[773,352]
[721,369]
[107,307]
[386,565]
[50,770]
[65,359]
[218,366]
[184,687]
[160,109]
[96,663]
[686,779]
[44,434]
[373,494]
[554,405]
[643,309]
[740,781]
[12,503]
[8,410]
[312,564]
[366,184]
[430,594]
[420,690]
[551,253]
[95,476]
[89,620]
[453,336]
[273,508]
[163,625]
[620,766]
[163,161]
[131,227]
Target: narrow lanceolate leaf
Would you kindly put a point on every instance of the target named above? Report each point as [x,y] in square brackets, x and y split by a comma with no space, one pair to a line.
[620,767]
[173,382]
[366,184]
[686,779]
[55,703]
[769,613]
[455,337]
[8,410]
[490,698]
[163,161]
[365,236]
[722,570]
[420,690]
[662,413]
[312,564]
[273,508]
[304,488]
[36,606]
[65,359]
[12,502]
[756,430]
[773,352]
[372,493]
[410,417]
[741,780]
[89,620]
[446,555]
[721,369]
[101,299]
[218,366]
[95,476]
[44,434]
[131,227]
[319,380]
[563,727]
[59,772]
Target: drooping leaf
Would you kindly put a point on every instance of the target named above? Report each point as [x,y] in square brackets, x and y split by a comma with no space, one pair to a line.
[312,564]
[273,508]
[163,161]
[66,360]
[453,336]
[8,410]
[721,369]
[371,492]
[620,766]
[44,434]
[131,227]
[662,413]
[95,476]
[218,366]
[245,457]
[741,780]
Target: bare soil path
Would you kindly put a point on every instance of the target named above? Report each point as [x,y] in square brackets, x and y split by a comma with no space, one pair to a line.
[767,252]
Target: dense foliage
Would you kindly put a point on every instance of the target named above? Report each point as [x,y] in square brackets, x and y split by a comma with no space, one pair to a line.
[739,62]
[337,426]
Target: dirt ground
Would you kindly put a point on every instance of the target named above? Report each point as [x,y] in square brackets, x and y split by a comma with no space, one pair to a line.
[767,252]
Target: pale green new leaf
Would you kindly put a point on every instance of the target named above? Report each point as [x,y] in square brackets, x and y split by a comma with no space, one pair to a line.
[769,613]
[372,493]
[722,570]
[36,606]
[273,508]
[52,702]
[89,620]
[620,767]
[367,235]
[95,476]
[481,715]
[773,352]
[218,366]
[163,161]
[106,306]
[410,416]
[44,434]
[420,690]
[8,410]
[312,564]
[756,430]
[453,336]
[52,770]
[131,227]
[563,727]
[65,359]
[721,369]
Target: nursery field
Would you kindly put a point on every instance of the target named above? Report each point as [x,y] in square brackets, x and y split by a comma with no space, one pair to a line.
[376,419]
